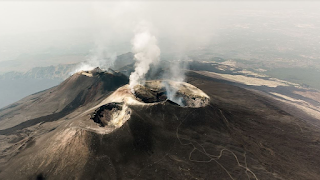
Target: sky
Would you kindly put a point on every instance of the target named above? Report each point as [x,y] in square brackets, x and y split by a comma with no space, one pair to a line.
[32,26]
[260,34]
[25,17]
[36,16]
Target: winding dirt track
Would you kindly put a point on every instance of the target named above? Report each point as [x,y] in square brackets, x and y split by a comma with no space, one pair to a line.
[240,134]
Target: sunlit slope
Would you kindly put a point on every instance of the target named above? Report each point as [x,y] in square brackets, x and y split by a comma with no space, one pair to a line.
[239,134]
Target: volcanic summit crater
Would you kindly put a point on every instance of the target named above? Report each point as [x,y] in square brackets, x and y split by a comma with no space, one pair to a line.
[115,111]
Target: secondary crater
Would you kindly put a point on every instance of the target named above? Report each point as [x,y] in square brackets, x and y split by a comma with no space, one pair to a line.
[181,93]
[112,114]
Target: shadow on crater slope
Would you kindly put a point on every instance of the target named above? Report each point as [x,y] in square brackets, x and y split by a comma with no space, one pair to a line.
[239,134]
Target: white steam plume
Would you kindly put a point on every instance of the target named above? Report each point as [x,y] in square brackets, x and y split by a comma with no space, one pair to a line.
[100,57]
[111,28]
[146,52]
[176,73]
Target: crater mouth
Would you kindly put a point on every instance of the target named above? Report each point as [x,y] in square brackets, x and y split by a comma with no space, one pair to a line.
[111,115]
[115,110]
[181,93]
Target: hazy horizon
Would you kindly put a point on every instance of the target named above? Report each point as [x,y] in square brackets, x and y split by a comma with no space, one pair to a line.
[88,27]
[282,39]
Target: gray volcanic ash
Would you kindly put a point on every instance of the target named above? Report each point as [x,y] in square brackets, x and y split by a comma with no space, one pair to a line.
[111,114]
[185,93]
[115,110]
[99,129]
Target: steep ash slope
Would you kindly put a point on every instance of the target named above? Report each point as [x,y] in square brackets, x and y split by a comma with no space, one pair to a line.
[239,134]
[78,90]
[39,113]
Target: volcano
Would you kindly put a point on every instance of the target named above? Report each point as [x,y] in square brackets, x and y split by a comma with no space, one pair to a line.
[93,126]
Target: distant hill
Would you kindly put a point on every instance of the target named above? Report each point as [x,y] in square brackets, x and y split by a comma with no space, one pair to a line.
[59,72]
[91,126]
[16,84]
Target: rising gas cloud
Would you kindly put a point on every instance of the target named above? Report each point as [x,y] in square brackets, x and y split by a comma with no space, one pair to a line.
[146,52]
[175,72]
[112,24]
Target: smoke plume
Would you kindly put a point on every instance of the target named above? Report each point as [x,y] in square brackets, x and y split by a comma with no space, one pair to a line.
[175,72]
[100,57]
[111,26]
[146,53]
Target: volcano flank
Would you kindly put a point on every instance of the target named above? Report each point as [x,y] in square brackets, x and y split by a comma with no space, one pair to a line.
[93,126]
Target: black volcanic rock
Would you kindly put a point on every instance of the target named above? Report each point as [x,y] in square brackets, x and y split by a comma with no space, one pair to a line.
[240,134]
[146,95]
[57,102]
[96,71]
[103,114]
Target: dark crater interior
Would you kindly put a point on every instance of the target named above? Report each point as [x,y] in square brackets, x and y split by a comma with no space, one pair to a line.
[183,95]
[149,95]
[104,113]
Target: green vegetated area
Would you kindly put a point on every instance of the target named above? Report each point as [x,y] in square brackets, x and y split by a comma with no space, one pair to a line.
[309,77]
